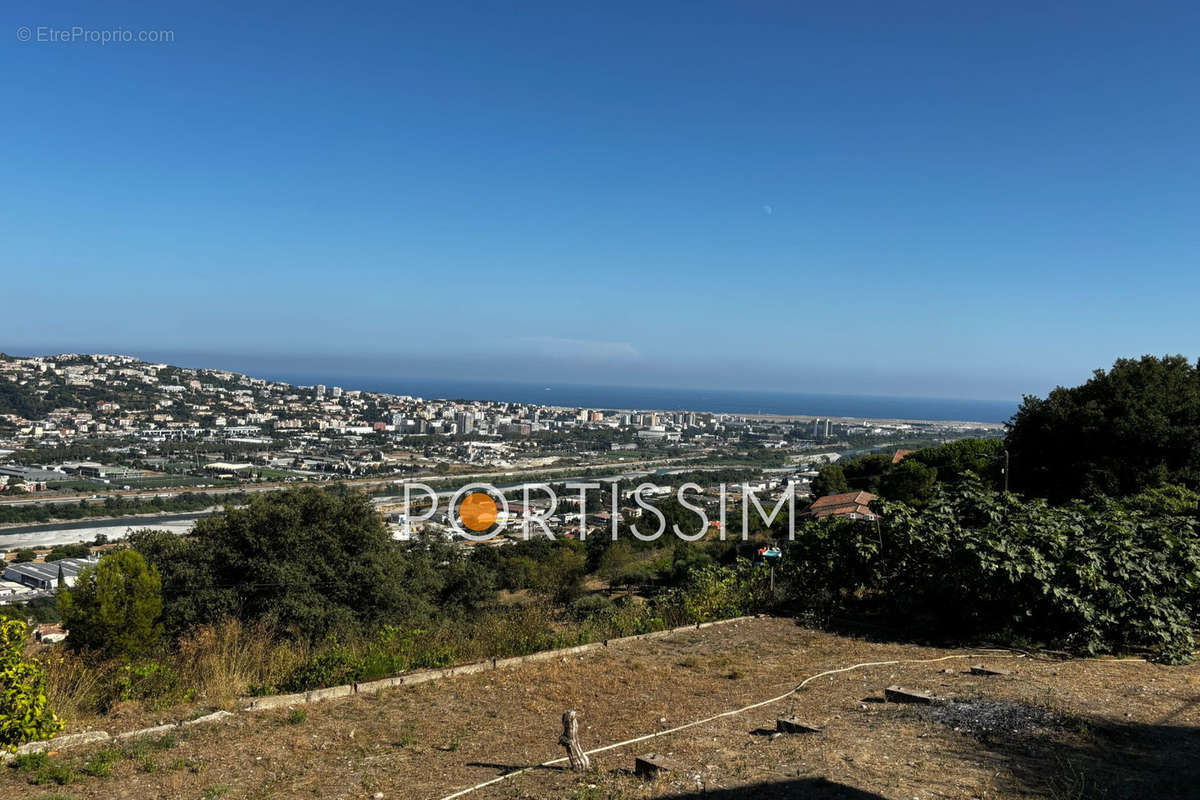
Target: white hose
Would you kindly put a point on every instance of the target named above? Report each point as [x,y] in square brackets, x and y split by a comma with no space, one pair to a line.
[784,696]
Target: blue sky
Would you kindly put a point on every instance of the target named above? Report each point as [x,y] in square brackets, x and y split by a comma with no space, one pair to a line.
[930,199]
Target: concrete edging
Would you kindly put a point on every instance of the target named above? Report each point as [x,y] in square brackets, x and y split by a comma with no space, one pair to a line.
[472,668]
[346,690]
[95,737]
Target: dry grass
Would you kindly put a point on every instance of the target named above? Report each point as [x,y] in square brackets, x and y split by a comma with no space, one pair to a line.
[74,687]
[224,661]
[1117,730]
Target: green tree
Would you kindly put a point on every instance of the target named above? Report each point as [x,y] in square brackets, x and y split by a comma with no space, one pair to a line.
[908,482]
[830,480]
[115,607]
[1127,429]
[308,561]
[25,713]
[24,555]
[191,595]
[68,551]
[561,576]
[954,460]
[616,559]
[863,474]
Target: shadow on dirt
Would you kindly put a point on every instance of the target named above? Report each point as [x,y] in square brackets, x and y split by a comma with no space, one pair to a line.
[814,788]
[1099,759]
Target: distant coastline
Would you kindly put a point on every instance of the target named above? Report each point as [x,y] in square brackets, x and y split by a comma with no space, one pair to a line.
[718,401]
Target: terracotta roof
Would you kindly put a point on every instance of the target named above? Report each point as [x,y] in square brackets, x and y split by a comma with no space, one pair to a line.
[846,503]
[899,455]
[860,498]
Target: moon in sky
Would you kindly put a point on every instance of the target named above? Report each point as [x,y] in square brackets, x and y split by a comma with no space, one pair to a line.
[768,210]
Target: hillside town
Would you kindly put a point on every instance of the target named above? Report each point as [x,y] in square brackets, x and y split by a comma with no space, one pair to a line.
[79,421]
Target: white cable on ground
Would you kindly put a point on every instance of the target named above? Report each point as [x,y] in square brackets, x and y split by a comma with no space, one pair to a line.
[784,696]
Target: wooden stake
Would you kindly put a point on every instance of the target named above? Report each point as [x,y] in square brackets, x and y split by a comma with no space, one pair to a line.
[570,740]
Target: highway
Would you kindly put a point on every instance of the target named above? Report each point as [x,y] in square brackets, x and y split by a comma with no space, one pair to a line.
[48,534]
[366,483]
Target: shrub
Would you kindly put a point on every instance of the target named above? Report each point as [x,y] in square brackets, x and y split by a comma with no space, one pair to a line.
[29,762]
[100,764]
[76,686]
[976,563]
[150,681]
[25,713]
[592,605]
[715,592]
[53,772]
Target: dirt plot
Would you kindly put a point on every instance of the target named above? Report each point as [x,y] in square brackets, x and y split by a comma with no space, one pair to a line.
[1058,729]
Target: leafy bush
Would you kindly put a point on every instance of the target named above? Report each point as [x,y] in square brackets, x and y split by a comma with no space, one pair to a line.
[592,605]
[333,667]
[716,592]
[25,713]
[150,681]
[980,564]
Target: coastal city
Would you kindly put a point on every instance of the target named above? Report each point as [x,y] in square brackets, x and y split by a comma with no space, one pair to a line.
[600,401]
[92,446]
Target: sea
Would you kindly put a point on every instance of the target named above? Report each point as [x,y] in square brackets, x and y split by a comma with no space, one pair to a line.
[720,401]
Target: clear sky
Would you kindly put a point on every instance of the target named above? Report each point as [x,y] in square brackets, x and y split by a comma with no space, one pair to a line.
[935,199]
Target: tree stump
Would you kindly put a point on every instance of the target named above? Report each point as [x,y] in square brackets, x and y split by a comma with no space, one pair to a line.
[570,740]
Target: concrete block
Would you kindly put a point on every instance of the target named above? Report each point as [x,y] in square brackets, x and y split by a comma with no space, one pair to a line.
[512,661]
[544,655]
[63,742]
[651,765]
[474,668]
[580,649]
[979,669]
[277,701]
[157,730]
[898,694]
[422,676]
[216,716]
[333,692]
[379,685]
[793,725]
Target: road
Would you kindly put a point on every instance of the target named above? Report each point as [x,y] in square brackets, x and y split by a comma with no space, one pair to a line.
[48,534]
[366,483]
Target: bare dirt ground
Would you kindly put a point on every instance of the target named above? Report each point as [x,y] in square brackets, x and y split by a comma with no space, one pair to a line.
[1055,729]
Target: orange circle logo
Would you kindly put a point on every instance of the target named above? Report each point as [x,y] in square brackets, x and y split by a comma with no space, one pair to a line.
[478,511]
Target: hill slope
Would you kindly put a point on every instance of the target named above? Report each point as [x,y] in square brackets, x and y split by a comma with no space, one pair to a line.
[1050,726]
